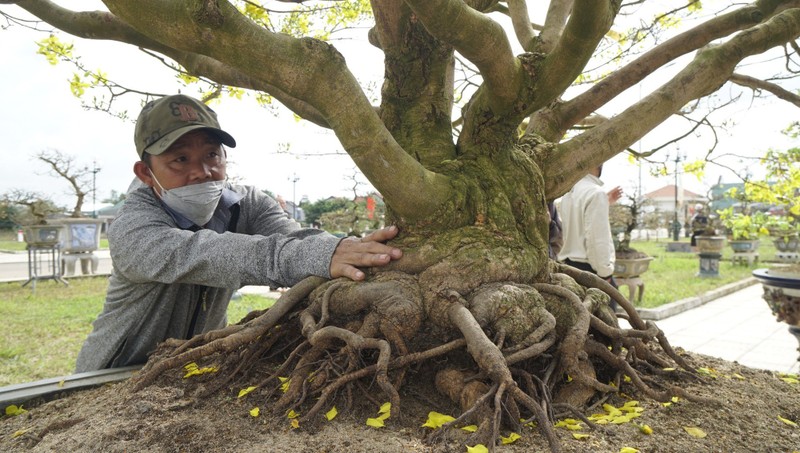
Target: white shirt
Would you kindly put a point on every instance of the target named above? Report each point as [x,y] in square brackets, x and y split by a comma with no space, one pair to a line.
[587,232]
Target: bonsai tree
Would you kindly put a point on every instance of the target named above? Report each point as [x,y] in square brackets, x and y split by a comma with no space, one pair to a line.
[780,189]
[624,218]
[743,227]
[498,325]
[36,208]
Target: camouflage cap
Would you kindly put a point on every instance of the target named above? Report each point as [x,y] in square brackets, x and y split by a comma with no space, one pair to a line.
[164,120]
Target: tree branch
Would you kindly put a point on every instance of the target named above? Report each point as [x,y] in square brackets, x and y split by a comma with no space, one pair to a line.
[104,25]
[322,80]
[710,68]
[573,111]
[557,13]
[480,39]
[757,84]
[518,11]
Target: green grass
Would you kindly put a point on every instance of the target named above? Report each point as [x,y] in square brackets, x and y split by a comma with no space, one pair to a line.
[9,243]
[43,330]
[673,275]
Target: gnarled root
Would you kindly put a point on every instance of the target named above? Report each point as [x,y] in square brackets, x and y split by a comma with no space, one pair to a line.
[532,347]
[214,342]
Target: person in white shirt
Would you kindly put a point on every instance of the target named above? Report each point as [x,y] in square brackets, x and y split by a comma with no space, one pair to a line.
[588,244]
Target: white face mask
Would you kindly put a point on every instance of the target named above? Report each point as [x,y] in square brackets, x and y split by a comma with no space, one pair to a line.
[196,202]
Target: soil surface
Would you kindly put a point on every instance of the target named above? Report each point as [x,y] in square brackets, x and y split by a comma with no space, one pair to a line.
[166,418]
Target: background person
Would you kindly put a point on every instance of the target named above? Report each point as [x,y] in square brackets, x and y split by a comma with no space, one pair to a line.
[186,239]
[699,223]
[588,244]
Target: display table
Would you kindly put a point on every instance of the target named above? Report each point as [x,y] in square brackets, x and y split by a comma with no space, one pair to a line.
[633,283]
[44,263]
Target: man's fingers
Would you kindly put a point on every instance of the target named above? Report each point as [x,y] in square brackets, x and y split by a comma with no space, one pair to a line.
[382,235]
[369,251]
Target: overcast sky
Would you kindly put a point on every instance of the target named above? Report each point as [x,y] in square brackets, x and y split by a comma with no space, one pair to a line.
[40,113]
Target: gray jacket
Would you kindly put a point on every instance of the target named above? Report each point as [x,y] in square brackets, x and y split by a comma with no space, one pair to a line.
[172,282]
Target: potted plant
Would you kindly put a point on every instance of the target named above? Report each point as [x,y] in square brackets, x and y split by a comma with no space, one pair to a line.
[32,212]
[784,232]
[709,240]
[629,262]
[743,230]
[782,294]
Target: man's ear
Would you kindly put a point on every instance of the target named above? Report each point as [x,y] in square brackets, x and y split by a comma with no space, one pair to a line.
[142,171]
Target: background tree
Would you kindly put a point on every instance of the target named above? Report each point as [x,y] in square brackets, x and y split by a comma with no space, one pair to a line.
[114,197]
[36,208]
[475,284]
[79,179]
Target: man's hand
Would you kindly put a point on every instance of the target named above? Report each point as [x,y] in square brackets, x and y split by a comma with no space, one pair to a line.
[352,253]
[614,195]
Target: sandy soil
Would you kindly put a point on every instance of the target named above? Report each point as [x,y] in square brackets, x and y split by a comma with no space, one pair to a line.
[166,418]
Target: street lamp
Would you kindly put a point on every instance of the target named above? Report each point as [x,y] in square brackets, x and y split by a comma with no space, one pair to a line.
[95,169]
[676,226]
[294,180]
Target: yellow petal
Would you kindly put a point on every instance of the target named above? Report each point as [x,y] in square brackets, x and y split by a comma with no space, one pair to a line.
[480,448]
[669,369]
[244,392]
[190,366]
[789,380]
[375,422]
[61,383]
[295,423]
[20,432]
[626,378]
[611,409]
[510,439]
[194,371]
[470,428]
[435,420]
[384,416]
[580,436]
[738,376]
[284,383]
[255,412]
[13,410]
[331,414]
[695,432]
[292,414]
[385,407]
[787,421]
[628,450]
[645,429]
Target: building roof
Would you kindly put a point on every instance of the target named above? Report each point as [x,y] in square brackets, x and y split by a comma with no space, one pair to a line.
[668,191]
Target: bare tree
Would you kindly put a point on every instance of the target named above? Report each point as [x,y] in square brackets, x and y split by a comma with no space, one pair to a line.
[38,207]
[64,166]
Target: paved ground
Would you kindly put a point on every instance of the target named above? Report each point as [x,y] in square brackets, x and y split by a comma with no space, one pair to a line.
[737,327]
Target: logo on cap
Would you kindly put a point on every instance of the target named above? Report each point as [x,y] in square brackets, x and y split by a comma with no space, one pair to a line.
[185,111]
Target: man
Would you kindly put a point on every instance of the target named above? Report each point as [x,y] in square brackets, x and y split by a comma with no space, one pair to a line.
[186,239]
[699,223]
[588,244]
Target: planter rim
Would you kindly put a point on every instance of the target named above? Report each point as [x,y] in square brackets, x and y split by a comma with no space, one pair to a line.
[781,281]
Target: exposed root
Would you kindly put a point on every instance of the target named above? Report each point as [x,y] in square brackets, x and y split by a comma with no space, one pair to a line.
[212,343]
[530,348]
